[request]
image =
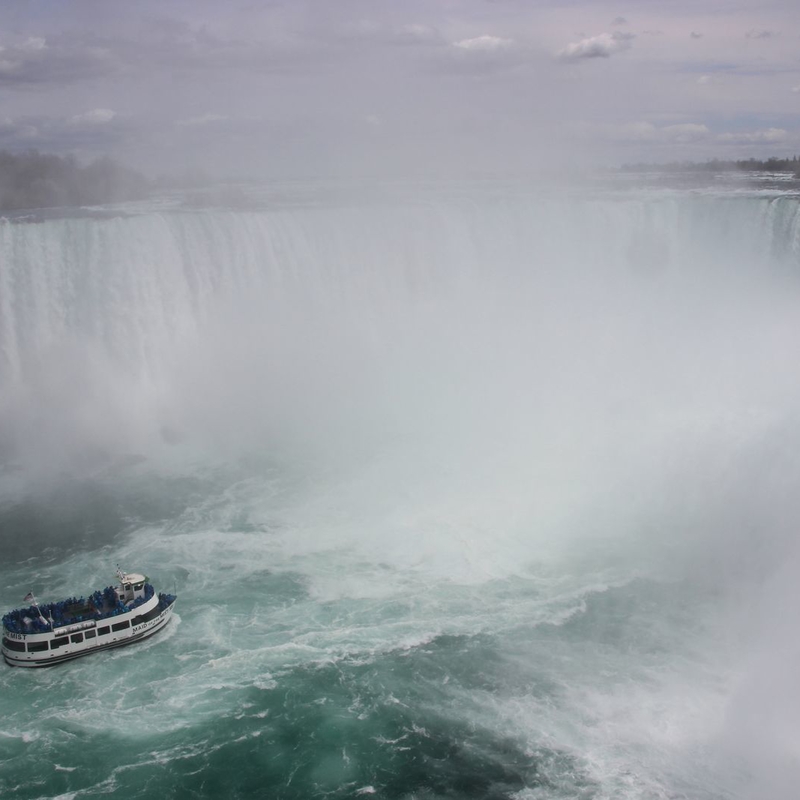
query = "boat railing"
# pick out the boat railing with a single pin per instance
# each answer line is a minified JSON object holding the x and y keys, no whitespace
{"x":47,"y":617}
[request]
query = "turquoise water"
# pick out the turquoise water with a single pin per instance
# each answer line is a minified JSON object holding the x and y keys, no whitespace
{"x":294,"y":673}
{"x":464,"y":497}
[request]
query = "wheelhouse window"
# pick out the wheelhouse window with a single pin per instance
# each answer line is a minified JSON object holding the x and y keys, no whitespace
{"x":13,"y":644}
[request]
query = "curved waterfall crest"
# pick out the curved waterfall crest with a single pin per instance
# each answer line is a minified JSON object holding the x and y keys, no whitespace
{"x":138,"y":317}
{"x":133,"y":283}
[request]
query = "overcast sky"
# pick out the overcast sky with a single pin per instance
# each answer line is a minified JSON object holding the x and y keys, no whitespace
{"x":407,"y":88}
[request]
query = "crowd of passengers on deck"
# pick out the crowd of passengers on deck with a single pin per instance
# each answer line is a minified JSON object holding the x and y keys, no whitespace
{"x":100,"y":605}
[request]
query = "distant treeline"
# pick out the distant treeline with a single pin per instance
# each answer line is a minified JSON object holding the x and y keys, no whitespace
{"x":38,"y":180}
{"x":718,"y":165}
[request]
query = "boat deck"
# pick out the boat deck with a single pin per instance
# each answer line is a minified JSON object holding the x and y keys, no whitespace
{"x":99,"y":605}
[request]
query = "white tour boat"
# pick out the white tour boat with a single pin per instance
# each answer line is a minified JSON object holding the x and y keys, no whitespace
{"x":38,"y":636}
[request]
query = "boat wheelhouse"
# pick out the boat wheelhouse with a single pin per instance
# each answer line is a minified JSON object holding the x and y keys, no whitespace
{"x":42,"y":635}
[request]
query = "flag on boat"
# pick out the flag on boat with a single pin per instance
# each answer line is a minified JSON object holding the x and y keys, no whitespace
{"x":29,"y":598}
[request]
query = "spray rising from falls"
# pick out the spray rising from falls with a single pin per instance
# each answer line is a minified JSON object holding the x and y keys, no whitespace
{"x":539,"y":446}
{"x":243,"y":320}
{"x":510,"y":363}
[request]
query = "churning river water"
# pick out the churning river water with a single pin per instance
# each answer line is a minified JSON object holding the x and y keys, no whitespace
{"x":477,"y":493}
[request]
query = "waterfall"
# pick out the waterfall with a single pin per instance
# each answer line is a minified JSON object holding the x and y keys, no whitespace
{"x":129,"y":324}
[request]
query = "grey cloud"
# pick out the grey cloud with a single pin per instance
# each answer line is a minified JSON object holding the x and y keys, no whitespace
{"x":768,"y":136}
{"x":183,"y":46}
{"x":292,"y":84}
{"x":96,"y":116}
{"x":412,"y":33}
{"x":95,"y":129}
{"x":209,"y":118}
{"x":681,"y":133}
{"x":484,"y":44}
{"x":416,"y":34}
{"x":59,"y":60}
{"x":735,"y":68}
{"x":759,"y":34}
{"x":685,"y":133}
{"x":18,"y":132}
{"x":67,"y":59}
{"x":602,"y":46}
{"x":208,"y":127}
{"x":154,"y":44}
{"x":482,"y":55}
